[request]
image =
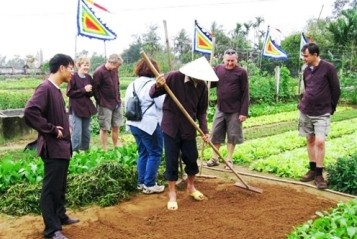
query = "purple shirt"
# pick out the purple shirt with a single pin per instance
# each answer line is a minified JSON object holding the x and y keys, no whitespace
{"x":80,"y":102}
{"x":193,"y":98}
{"x":322,"y":90}
{"x":232,"y":90}
{"x":43,"y":112}
{"x":106,"y":87}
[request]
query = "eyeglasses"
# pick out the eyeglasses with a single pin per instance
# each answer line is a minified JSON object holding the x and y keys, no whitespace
{"x":69,"y":68}
{"x":229,"y":52}
{"x":113,"y":62}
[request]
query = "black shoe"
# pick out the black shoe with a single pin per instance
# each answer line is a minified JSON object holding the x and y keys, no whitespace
{"x":309,"y":176}
{"x":70,"y":221}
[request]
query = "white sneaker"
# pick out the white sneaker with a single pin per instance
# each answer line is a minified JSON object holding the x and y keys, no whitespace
{"x":154,"y":189}
{"x":140,"y":186}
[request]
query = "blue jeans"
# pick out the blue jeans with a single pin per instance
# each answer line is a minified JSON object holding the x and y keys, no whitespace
{"x":150,"y":152}
{"x":80,"y":132}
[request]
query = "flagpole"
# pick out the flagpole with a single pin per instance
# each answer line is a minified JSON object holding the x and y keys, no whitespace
{"x":75,"y":46}
{"x":105,"y":50}
{"x":211,"y":62}
{"x":167,"y":46}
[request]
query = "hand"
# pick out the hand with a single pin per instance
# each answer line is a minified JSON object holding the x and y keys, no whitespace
{"x":206,"y":138}
{"x":88,"y":88}
{"x":60,"y":134}
{"x":242,"y":118}
{"x":160,"y":81}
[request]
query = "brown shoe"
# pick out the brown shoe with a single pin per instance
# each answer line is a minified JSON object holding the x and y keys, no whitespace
{"x":320,"y":182}
{"x":309,"y":176}
{"x":212,"y":162}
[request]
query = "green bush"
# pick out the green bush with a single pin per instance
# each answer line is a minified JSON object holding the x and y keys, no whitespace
{"x":342,"y":176}
{"x":14,"y":99}
{"x":349,"y":88}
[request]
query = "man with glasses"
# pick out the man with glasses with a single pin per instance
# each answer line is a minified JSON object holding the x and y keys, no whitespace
{"x":46,"y":113}
{"x":106,"y":89}
{"x":318,"y":103}
{"x":232,"y":105}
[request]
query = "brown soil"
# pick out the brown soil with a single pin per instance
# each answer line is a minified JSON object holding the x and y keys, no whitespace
{"x":227,"y":212}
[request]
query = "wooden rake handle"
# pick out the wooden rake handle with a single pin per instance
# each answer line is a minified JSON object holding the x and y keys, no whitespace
{"x":188,"y":117}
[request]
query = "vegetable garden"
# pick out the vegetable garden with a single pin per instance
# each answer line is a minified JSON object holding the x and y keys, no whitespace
{"x":108,"y":179}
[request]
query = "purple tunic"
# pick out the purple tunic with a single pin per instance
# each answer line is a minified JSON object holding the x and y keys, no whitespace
{"x":79,"y":100}
{"x":322,"y":90}
{"x":106,"y":87}
{"x":232,"y":90}
{"x":43,"y":112}
{"x":193,"y":98}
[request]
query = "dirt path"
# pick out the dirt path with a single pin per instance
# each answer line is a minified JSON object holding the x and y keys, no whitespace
{"x":228,"y":212}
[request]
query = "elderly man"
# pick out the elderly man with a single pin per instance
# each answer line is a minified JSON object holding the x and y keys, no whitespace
{"x":232,"y":105}
{"x":106,"y":89}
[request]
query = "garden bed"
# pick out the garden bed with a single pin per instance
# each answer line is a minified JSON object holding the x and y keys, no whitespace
{"x":228,"y":212}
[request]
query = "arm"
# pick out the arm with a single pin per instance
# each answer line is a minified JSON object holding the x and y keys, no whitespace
{"x":73,"y":91}
{"x":36,"y":110}
{"x":202,"y":111}
{"x":158,"y":89}
{"x":244,"y":97}
{"x":335,"y":89}
{"x":96,"y":86}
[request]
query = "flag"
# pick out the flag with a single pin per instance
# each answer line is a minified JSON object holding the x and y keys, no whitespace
{"x":97,"y":5}
{"x":202,"y":41}
{"x":89,"y":25}
{"x":272,"y":49}
{"x":303,"y":41}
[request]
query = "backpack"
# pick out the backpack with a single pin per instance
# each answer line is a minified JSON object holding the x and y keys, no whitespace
{"x":133,"y":110}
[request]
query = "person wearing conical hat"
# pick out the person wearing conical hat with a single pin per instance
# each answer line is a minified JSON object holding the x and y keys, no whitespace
{"x":232,"y":106}
{"x":189,"y":87}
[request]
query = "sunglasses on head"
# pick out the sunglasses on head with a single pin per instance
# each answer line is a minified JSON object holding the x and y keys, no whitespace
{"x":230,"y":52}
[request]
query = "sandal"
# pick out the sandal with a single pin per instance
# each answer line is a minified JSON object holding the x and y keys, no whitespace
{"x":212,"y":162}
{"x":229,"y":162}
{"x":197,"y":195}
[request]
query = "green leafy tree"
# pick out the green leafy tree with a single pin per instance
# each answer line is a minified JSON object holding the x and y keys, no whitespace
{"x":344,"y":31}
{"x":132,"y":54}
{"x":183,"y":46}
{"x":96,"y":60}
{"x":151,"y":40}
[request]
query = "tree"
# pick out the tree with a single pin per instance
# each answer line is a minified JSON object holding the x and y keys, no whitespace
{"x":344,"y":31}
{"x":151,"y":40}
{"x":132,"y":54}
{"x":257,"y":36}
{"x":96,"y":60}
{"x":183,"y":46}
{"x":222,"y":40}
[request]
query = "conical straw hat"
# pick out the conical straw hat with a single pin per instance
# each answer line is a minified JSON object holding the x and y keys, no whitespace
{"x":199,"y":69}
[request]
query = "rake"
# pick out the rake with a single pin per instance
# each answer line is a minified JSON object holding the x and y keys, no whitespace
{"x":242,"y":184}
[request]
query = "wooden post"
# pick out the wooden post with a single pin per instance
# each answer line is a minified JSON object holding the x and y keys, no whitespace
{"x":277,"y":82}
{"x":167,"y":46}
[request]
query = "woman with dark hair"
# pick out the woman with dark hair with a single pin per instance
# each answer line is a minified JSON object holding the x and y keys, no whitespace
{"x":147,"y":131}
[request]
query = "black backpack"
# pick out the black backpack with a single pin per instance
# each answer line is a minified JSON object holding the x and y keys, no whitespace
{"x":133,"y":106}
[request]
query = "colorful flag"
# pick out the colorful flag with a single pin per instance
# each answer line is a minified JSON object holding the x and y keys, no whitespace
{"x":89,"y":25}
{"x":97,"y":5}
{"x":303,"y":41}
{"x":202,"y":41}
{"x":272,"y":49}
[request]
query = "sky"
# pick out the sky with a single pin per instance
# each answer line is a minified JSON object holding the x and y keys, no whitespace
{"x":51,"y":26}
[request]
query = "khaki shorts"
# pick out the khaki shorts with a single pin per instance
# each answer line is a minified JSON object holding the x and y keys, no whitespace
{"x":109,"y":119}
{"x":225,"y":123}
{"x":314,"y":125}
